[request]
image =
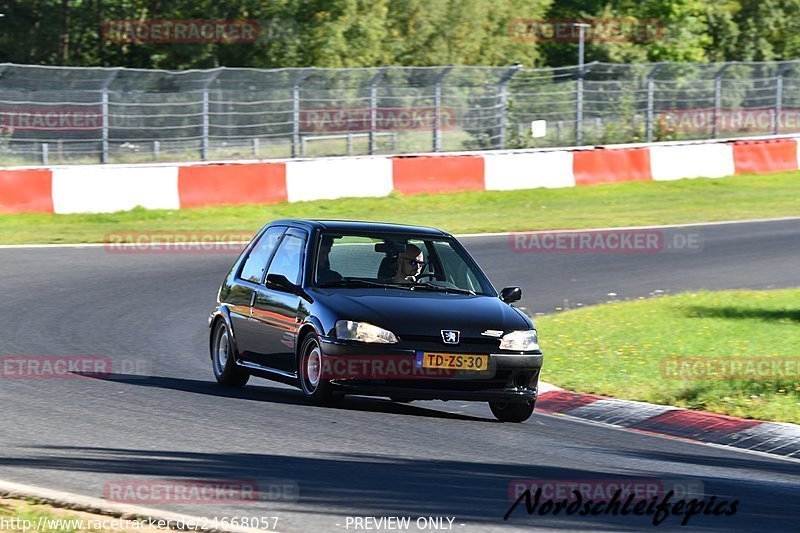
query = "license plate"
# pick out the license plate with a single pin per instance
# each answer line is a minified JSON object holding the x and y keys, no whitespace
{"x":455,"y":361}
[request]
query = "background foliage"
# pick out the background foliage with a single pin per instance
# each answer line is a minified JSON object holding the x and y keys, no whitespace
{"x":355,"y":33}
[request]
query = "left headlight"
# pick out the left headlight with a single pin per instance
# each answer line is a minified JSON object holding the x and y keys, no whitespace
{"x":363,"y":332}
{"x":520,"y":341}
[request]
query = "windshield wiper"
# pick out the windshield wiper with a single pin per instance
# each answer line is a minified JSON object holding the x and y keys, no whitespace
{"x":362,"y":283}
{"x":441,"y":288}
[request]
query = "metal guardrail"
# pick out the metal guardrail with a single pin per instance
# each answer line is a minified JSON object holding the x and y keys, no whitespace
{"x":61,"y":115}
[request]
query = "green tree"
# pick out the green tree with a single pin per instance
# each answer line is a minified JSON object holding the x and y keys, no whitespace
{"x":723,"y":31}
{"x":770,"y":30}
{"x":660,"y":30}
{"x":339,"y":33}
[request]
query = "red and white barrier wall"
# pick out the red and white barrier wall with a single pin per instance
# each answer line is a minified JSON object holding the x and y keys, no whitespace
{"x":109,"y":188}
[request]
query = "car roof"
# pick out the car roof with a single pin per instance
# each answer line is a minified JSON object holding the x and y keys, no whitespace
{"x":359,"y":226}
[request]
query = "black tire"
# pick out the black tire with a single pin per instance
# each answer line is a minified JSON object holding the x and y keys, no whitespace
{"x":223,"y":358}
{"x":315,"y":387}
{"x":395,"y":399}
{"x":511,"y":412}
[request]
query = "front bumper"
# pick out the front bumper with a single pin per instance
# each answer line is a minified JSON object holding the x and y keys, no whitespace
{"x":510,"y":377}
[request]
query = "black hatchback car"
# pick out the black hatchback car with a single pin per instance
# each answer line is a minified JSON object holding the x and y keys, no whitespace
{"x":337,"y":307}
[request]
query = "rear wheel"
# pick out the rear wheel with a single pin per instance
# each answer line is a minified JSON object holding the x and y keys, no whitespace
{"x":226,"y":370}
{"x":316,"y":388}
{"x":511,"y":412}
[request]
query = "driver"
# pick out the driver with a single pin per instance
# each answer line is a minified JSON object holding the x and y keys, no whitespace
{"x":409,"y":264}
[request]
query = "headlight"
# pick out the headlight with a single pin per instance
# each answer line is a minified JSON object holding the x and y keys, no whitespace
{"x":363,"y":332}
{"x":520,"y":341}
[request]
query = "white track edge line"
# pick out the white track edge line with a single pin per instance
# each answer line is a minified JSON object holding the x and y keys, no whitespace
{"x":764,"y":455}
{"x":662,"y":226}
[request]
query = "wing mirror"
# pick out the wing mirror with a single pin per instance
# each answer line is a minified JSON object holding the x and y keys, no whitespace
{"x":511,"y":294}
{"x":279,"y":282}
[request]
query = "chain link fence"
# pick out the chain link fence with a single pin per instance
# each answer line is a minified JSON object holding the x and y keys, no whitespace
{"x":60,"y":115}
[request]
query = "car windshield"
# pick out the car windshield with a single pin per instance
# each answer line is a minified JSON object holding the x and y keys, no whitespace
{"x":408,"y":261}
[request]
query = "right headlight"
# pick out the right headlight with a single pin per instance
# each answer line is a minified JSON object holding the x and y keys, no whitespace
{"x":520,"y":341}
{"x":363,"y":332}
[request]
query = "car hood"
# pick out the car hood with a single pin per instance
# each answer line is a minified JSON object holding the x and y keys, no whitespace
{"x":425,"y":313}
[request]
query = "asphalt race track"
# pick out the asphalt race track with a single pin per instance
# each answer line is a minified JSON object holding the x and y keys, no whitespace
{"x":368,"y":457}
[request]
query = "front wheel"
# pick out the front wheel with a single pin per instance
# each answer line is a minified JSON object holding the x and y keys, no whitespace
{"x":511,"y":412}
{"x":226,"y":370}
{"x":316,"y":388}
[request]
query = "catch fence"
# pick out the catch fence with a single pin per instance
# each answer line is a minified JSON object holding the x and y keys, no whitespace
{"x":63,"y":115}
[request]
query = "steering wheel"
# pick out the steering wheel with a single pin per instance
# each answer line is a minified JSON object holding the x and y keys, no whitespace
{"x":430,"y":275}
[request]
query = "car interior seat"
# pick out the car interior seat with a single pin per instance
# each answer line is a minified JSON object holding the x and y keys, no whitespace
{"x":388,"y":266}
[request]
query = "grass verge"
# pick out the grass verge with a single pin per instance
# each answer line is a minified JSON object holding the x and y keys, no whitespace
{"x":21,"y":516}
{"x":613,"y":205}
{"x":679,"y":350}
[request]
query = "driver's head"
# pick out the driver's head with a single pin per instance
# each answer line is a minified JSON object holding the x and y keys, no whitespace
{"x":410,"y":262}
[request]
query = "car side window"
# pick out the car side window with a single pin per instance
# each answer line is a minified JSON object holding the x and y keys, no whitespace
{"x":288,"y":259}
{"x":256,"y":262}
{"x":356,"y":257}
{"x":455,"y":269}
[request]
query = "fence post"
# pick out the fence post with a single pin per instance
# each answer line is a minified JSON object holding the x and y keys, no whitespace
{"x":295,"y":117}
{"x":104,"y":134}
{"x":105,"y":118}
{"x":437,"y":110}
{"x":156,"y":150}
{"x":582,"y":70}
{"x":504,"y":102}
{"x":306,"y":72}
{"x":204,"y":125}
{"x":650,"y":113}
{"x":45,"y":153}
{"x":776,"y":120}
{"x":373,"y":108}
{"x":579,"y":109}
{"x":717,"y":100}
{"x":205,"y":128}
